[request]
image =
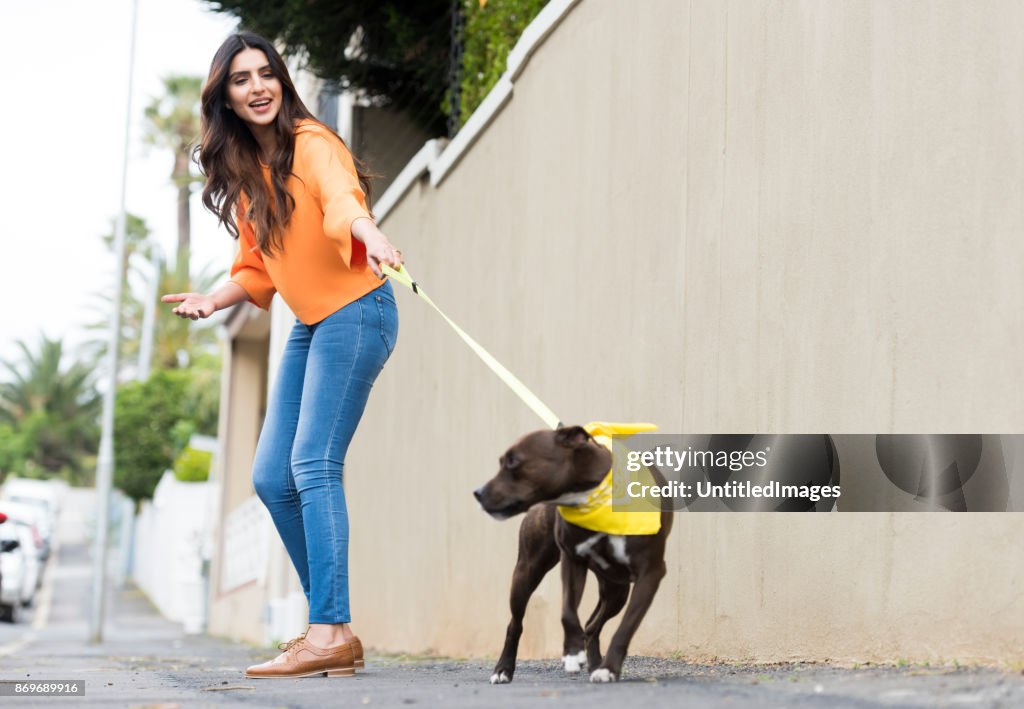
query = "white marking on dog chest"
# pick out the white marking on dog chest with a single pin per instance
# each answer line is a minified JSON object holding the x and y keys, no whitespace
{"x":618,"y":543}
{"x":586,"y":549}
{"x":571,"y":499}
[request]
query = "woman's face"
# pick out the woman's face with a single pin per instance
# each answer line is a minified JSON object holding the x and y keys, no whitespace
{"x":254,"y":93}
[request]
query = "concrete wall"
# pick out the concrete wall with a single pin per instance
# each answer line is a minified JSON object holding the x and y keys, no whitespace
{"x":722,"y":217}
{"x":235,"y":611}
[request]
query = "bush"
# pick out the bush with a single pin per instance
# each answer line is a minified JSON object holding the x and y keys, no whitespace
{"x":154,"y":420}
{"x":144,"y":423}
{"x":193,"y":466}
{"x":492,"y":29}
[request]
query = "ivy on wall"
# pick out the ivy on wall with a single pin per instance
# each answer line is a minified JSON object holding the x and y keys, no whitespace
{"x":492,"y":28}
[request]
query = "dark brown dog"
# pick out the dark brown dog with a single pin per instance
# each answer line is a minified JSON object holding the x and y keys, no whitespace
{"x":561,"y":467}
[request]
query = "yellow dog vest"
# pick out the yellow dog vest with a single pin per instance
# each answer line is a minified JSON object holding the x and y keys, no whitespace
{"x":596,"y":513}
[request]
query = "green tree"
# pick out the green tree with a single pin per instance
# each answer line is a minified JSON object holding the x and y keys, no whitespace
{"x":15,"y":450}
{"x":136,"y":241}
{"x":154,"y":419}
{"x":138,"y":244}
{"x":202,"y":400}
{"x":172,"y":122}
{"x":179,"y":341}
{"x":492,"y":30}
{"x":49,"y":413}
{"x":144,"y":416}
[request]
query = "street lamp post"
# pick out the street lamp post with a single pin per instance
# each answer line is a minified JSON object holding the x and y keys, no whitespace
{"x":105,"y":463}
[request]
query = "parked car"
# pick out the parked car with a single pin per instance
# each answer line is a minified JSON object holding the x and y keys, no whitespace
{"x":3,"y":518}
{"x":33,"y":576}
{"x":33,"y":516}
{"x":42,"y":495}
{"x":17,"y":587}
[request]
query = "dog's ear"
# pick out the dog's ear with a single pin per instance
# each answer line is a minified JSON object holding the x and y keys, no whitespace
{"x":572,"y":436}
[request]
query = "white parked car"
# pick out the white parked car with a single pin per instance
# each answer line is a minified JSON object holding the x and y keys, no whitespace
{"x":33,"y":516}
{"x":43,"y":495}
{"x":48,"y":492}
{"x":19,"y":570}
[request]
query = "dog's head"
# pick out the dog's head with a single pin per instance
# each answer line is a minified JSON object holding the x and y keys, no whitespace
{"x":544,"y":466}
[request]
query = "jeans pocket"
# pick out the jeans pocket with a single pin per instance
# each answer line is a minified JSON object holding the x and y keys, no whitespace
{"x":386,"y":292}
{"x":388,"y":321}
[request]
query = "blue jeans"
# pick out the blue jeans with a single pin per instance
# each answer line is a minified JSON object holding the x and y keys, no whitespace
{"x":322,"y":386}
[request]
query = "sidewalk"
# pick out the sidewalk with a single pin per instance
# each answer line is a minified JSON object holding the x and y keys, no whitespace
{"x":147,"y":661}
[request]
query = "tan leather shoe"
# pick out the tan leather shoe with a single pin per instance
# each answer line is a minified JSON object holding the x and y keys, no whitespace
{"x":357,"y":652}
{"x":303,"y":659}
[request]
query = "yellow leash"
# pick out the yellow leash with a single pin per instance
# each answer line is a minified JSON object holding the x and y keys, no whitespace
{"x":521,"y":390}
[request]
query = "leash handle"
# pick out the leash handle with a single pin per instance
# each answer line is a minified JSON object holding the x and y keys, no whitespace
{"x":538,"y":407}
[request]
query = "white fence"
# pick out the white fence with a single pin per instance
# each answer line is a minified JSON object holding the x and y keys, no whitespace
{"x":171,"y":533}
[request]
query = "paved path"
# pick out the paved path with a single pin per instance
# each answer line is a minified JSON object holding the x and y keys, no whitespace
{"x":147,"y":661}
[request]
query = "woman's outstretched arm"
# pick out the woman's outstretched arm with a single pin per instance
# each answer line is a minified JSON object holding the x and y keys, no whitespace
{"x":197,"y":305}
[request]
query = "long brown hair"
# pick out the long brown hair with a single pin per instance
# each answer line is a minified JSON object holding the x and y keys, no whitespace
{"x":228,"y":154}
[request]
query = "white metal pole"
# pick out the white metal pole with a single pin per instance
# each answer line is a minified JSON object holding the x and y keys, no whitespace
{"x":105,"y":464}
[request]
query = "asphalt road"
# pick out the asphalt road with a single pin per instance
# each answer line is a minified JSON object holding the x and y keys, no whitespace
{"x":147,"y":661}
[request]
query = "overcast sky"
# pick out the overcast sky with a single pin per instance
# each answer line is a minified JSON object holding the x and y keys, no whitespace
{"x":63,"y":129}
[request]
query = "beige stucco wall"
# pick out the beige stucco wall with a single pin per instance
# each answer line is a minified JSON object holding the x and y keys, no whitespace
{"x":235,"y":613}
{"x":721,"y":217}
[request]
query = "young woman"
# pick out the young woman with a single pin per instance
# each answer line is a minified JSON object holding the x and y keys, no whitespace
{"x":287,"y":187}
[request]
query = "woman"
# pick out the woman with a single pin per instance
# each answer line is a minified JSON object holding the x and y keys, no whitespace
{"x":288,"y":189}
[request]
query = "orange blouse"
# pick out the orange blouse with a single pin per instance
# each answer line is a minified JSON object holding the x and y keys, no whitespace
{"x":322,"y":268}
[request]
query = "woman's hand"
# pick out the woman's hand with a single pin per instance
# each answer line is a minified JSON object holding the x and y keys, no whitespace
{"x":379,"y":250}
{"x":197,"y":305}
{"x":193,"y":305}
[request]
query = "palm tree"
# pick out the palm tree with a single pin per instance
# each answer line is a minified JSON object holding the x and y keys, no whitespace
{"x":173,"y":123}
{"x":177,"y":342}
{"x":137,"y":243}
{"x":52,"y":409}
{"x":180,"y":341}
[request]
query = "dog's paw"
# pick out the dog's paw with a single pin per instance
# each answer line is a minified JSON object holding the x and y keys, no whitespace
{"x":603,"y":675}
{"x":500,"y":678}
{"x":574,"y":663}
